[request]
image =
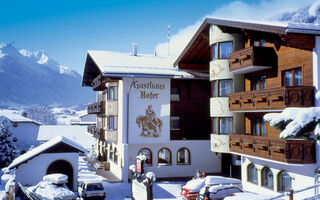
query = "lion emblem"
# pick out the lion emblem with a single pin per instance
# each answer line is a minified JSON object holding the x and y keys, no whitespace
{"x":151,"y":126}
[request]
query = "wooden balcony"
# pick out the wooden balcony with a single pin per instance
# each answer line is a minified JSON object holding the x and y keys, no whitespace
{"x":97,"y":133}
{"x":252,"y":59}
{"x":96,"y":108}
{"x":99,"y":83}
{"x":297,"y":151}
{"x":272,"y":99}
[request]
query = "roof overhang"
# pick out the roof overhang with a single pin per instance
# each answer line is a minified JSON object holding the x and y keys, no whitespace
{"x":91,"y":71}
{"x":273,"y":29}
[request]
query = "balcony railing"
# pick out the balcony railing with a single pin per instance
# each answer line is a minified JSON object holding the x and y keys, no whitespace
{"x":97,"y":133}
{"x":284,"y":150}
{"x":99,"y":83}
{"x":252,"y":59}
{"x":272,"y":99}
{"x":96,"y":108}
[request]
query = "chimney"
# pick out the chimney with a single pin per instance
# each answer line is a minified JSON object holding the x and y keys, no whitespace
{"x":134,"y":49}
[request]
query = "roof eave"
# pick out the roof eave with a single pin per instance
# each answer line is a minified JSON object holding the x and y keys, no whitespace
{"x":193,"y":39}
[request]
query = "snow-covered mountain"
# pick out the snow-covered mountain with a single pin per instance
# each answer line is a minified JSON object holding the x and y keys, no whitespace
{"x":307,"y":15}
{"x":33,"y":79}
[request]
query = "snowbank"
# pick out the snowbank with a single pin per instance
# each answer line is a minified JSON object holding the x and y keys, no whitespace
{"x":295,"y":122}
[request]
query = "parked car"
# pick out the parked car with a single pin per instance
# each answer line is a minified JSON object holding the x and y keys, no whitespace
{"x":217,"y":192}
{"x":53,"y":187}
{"x":91,"y":189}
{"x":192,"y":187}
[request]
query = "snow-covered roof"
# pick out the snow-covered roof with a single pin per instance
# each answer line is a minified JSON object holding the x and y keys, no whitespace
{"x":124,"y":63}
{"x":14,"y":116}
{"x":82,"y":113}
{"x":42,"y":148}
{"x":75,"y":133}
{"x":117,"y":65}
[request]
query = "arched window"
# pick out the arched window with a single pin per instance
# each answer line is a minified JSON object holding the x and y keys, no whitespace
{"x":267,"y":178}
{"x":110,"y":152}
{"x":252,"y":173}
{"x":148,"y":154}
{"x":115,"y":155}
{"x":284,"y":182}
{"x":164,"y":157}
{"x":183,"y":156}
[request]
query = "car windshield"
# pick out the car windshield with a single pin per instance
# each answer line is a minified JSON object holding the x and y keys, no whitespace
{"x":94,"y":186}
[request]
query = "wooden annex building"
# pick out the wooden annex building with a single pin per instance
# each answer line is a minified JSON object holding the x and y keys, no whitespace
{"x":257,"y":68}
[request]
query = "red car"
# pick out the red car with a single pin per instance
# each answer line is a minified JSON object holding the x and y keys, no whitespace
{"x":192,"y":188}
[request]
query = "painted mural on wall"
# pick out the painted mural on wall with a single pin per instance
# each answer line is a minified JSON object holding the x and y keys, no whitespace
{"x":149,"y":110}
{"x":150,"y":125}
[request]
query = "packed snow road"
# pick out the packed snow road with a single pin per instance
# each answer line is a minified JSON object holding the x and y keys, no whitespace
{"x":161,"y":190}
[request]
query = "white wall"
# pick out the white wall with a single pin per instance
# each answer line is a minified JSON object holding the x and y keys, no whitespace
{"x":27,"y":134}
{"x":302,"y":176}
{"x":160,"y":103}
{"x":316,"y":65}
{"x":201,"y":158}
{"x":32,"y":172}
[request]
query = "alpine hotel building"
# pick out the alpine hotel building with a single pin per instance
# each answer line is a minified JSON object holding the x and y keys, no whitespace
{"x":147,"y":106}
{"x":258,"y":68}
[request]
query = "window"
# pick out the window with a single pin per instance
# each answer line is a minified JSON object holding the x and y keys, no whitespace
{"x":115,"y":155}
{"x":175,"y":94}
{"x":164,"y":157}
{"x":183,"y":156}
{"x":174,"y":123}
{"x":215,"y":52}
{"x":104,"y":122}
{"x":258,"y":83}
{"x":221,"y":88}
{"x":292,"y":77}
{"x":112,"y":123}
{"x":221,"y":50}
{"x":259,"y":43}
{"x":225,"y":48}
{"x":267,"y":178}
{"x":147,"y":153}
{"x":259,"y":126}
{"x":284,"y":182}
{"x":252,"y":174}
{"x":110,"y":152}
{"x":113,"y":93}
{"x":222,"y":125}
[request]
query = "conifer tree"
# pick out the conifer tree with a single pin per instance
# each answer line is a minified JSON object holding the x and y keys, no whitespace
{"x":8,"y":150}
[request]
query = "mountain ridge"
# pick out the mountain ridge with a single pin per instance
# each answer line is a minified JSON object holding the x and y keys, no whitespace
{"x":30,"y":79}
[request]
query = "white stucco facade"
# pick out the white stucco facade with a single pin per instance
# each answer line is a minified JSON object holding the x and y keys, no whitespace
{"x":152,"y":95}
{"x":219,"y":106}
{"x":302,"y":175}
{"x":32,"y":172}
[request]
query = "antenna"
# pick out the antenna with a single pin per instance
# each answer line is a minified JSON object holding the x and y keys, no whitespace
{"x":168,"y":37}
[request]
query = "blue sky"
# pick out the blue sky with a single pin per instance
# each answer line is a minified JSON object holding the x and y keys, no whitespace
{"x":66,"y":29}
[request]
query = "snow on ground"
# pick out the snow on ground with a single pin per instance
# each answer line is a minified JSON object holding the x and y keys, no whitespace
{"x":165,"y":190}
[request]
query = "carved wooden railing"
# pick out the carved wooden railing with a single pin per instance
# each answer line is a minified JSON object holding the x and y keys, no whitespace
{"x":96,"y":108}
{"x":283,"y":150}
{"x":97,"y":133}
{"x":99,"y":83}
{"x":272,"y":99}
{"x":252,"y":56}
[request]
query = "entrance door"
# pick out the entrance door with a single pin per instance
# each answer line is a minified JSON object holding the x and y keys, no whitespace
{"x":63,"y":167}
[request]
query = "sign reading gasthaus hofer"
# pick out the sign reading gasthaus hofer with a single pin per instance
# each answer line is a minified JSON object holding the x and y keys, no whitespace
{"x":149,"y":110}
